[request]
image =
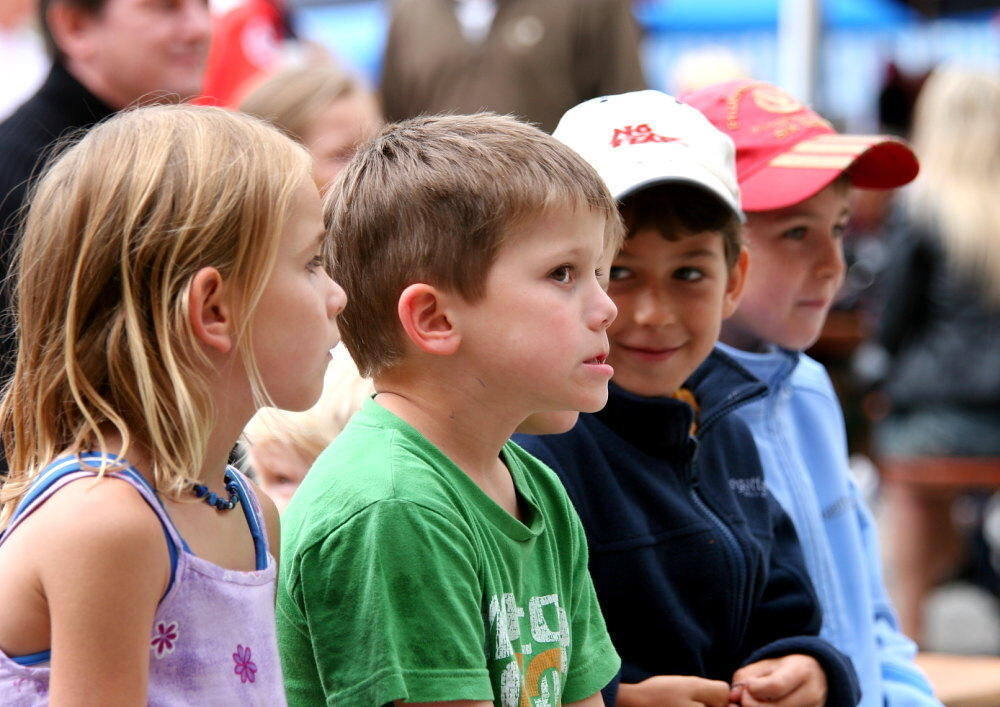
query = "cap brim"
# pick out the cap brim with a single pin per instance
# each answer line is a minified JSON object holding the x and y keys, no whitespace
{"x":700,"y":178}
{"x":876,"y":162}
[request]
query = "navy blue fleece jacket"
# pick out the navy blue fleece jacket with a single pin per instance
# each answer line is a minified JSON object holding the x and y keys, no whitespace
{"x":697,"y":569}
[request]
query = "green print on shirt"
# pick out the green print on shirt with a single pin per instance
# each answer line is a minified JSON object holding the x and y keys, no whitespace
{"x":536,"y":667}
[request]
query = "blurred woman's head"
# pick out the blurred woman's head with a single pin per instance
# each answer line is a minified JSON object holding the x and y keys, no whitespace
{"x":956,"y":135}
{"x":324,"y":108}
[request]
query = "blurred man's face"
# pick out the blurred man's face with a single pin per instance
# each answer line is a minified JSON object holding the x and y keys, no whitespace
{"x":134,"y":48}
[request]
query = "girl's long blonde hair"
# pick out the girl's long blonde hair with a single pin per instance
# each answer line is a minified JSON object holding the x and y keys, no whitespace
{"x":116,"y":229}
{"x":957,"y":135}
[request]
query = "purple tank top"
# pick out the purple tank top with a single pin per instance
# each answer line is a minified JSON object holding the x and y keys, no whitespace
{"x":213,"y":639}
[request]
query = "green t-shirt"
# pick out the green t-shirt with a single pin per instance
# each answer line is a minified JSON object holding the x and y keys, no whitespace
{"x":401,"y":580}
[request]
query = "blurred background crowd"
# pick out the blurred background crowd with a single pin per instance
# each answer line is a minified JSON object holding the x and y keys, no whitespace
{"x":914,"y":342}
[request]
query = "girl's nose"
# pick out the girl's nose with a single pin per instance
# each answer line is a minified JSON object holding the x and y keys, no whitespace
{"x":337,"y":300}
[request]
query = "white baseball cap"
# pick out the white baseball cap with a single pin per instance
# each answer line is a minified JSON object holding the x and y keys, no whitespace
{"x":639,"y":139}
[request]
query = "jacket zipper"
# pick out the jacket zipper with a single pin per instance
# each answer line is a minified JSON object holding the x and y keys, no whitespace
{"x":736,"y":554}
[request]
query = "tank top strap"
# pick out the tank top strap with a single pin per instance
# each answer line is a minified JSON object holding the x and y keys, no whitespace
{"x":70,"y":468}
{"x":254,"y":515}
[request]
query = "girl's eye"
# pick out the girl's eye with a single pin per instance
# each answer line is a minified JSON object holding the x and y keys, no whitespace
{"x":688,"y":274}
{"x":618,"y":272}
{"x":564,"y":274}
{"x":839,"y":230}
{"x":317,"y":262}
{"x":795,"y":234}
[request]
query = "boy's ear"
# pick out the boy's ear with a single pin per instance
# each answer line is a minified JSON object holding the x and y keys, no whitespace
{"x":423,"y":312}
{"x":209,"y":312}
{"x":737,"y":279}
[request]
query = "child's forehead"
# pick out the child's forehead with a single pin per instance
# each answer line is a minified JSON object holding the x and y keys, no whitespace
{"x":831,"y":202}
{"x":560,"y":226}
{"x":680,"y":242}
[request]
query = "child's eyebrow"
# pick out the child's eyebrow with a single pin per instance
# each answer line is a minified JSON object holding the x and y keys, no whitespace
{"x":698,"y":253}
{"x":570,"y":253}
{"x":314,"y":244}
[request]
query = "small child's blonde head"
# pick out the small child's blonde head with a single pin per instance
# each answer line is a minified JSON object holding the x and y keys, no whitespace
{"x":117,"y":228}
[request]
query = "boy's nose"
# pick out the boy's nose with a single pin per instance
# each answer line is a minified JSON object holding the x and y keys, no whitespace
{"x":830,"y":260}
{"x":653,"y":309}
{"x":605,"y":310}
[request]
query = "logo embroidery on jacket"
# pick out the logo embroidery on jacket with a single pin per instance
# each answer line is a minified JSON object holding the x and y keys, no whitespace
{"x":749,"y":488}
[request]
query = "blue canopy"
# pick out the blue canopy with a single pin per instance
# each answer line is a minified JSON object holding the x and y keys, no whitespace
{"x":714,"y":15}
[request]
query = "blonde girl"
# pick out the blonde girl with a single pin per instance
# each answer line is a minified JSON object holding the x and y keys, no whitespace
{"x":941,"y":324}
{"x":172,"y":278}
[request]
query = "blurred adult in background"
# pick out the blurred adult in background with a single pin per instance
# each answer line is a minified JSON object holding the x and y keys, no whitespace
{"x":326,"y":109}
{"x":531,"y":58}
{"x":941,"y":323}
{"x":106,"y":55}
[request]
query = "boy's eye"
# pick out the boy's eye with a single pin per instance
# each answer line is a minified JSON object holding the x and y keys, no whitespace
{"x":839,"y":230}
{"x":564,"y":273}
{"x":688,"y":274}
{"x":618,"y":272}
{"x":795,"y":234}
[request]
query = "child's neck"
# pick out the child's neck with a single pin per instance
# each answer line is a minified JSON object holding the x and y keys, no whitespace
{"x":742,"y":340}
{"x":212,"y":470}
{"x":465,"y":428}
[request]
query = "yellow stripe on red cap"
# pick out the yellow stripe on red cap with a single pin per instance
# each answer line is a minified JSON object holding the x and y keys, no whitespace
{"x":802,"y":161}
{"x":836,"y":147}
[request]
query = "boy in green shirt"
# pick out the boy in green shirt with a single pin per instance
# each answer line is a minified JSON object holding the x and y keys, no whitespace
{"x":426,"y":558}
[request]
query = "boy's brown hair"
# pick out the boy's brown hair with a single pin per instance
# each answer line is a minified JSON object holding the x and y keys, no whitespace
{"x":432,"y":200}
{"x":676,"y":210}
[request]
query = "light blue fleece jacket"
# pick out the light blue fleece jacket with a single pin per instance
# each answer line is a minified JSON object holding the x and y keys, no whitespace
{"x":799,"y":431}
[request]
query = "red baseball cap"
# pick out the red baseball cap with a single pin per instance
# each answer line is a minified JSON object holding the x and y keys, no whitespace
{"x":786,"y":153}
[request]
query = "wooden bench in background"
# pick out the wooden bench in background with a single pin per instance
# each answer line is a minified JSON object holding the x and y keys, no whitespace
{"x":958,"y":680}
{"x":952,"y":472}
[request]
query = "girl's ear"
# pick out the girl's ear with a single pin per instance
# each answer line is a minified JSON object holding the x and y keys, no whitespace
{"x":424,"y":315}
{"x":737,"y":279}
{"x":209,"y":311}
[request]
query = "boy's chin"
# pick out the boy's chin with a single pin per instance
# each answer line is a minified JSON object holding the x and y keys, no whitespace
{"x":552,"y":422}
{"x":650,"y":387}
{"x":798,"y":341}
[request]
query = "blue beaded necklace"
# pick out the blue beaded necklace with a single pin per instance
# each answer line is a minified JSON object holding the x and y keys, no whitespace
{"x":212,"y":498}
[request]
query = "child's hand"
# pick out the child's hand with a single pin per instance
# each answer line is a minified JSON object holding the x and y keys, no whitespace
{"x":789,"y":681}
{"x":674,"y":690}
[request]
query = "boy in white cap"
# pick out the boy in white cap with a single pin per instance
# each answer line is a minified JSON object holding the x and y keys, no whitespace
{"x":794,"y":173}
{"x":697,"y":571}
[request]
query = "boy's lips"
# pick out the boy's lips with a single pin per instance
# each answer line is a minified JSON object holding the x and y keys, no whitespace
{"x":650,"y":353}
{"x":819,"y":303}
{"x":599,"y":364}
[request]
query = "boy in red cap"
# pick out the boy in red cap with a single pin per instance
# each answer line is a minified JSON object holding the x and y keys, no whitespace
{"x":794,"y":173}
